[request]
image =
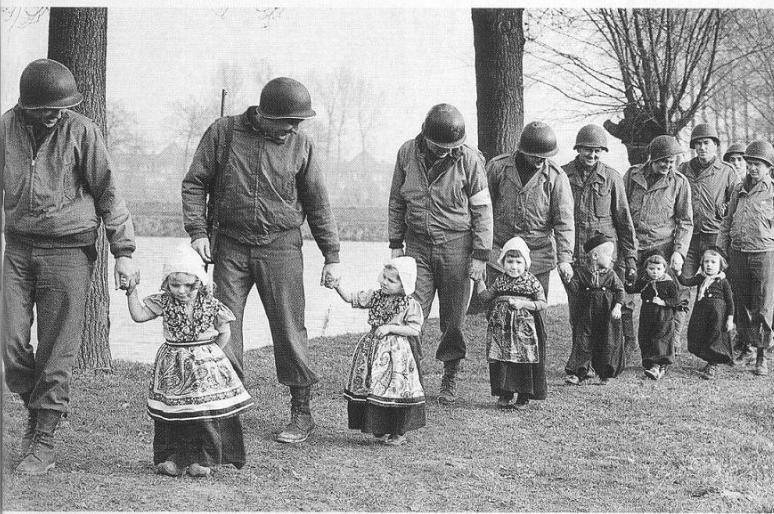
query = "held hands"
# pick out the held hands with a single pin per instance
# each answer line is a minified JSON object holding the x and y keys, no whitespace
{"x":126,"y":274}
{"x":616,"y":312}
{"x":518,"y":303}
{"x":477,"y":271}
{"x":730,"y":325}
{"x":631,"y":273}
{"x":676,"y":262}
{"x":202,"y":247}
{"x":565,"y":271}
{"x":382,"y":331}
{"x":330,"y":276}
{"x":659,"y":301}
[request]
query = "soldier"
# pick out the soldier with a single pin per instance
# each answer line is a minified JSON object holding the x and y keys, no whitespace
{"x":439,"y":206}
{"x":58,"y":185}
{"x":712,"y":182}
{"x":263,"y":179}
{"x":747,"y":236}
{"x":660,"y":202}
{"x":735,"y":157}
{"x":532,"y":199}
{"x":600,"y":206}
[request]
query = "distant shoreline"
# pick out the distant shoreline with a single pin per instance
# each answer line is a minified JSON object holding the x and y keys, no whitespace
{"x":158,"y":219}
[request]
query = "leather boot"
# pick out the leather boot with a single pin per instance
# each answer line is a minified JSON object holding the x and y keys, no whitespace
{"x":448,"y":393}
{"x":40,"y":454}
{"x":301,"y":421}
{"x":32,"y":421}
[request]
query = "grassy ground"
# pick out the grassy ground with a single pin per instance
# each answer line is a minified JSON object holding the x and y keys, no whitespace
{"x":678,"y":444}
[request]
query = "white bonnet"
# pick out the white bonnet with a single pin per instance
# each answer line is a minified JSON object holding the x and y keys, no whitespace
{"x":407,"y":272}
{"x":185,"y":260}
{"x":518,"y":244}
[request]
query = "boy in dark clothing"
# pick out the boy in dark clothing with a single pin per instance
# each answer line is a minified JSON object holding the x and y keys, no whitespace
{"x":597,"y":335}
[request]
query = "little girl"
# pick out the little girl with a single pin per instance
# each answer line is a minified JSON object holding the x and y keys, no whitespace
{"x":712,"y":319}
{"x":195,"y":396}
{"x":384,"y":391}
{"x":515,"y":337}
{"x":659,"y":301}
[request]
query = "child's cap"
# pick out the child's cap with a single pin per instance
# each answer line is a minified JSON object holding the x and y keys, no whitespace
{"x":185,"y":260}
{"x":596,"y":240}
{"x":518,"y":244}
{"x":407,"y":272}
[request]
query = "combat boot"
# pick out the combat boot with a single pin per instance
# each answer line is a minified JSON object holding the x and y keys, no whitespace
{"x":761,"y":366}
{"x":448,"y":393}
{"x":39,"y":457}
{"x":301,"y":421}
{"x":32,"y":421}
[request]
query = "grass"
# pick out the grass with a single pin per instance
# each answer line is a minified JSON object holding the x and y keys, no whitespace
{"x":636,"y":445}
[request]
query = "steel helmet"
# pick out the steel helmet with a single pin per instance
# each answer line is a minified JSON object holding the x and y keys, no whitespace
{"x":48,"y":84}
{"x":284,"y":98}
{"x":591,"y":136}
{"x":444,"y":126}
{"x":760,"y":150}
{"x":537,"y":139}
{"x":734,"y":148}
{"x":704,"y":131}
{"x":662,"y":147}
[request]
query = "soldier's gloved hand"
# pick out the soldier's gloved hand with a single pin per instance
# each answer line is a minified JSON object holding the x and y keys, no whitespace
{"x":477,"y":270}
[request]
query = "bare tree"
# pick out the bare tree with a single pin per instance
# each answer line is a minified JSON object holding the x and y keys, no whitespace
{"x":335,"y":92}
{"x":189,"y":119}
{"x":368,"y":102}
{"x":639,"y":63}
{"x":120,"y":123}
{"x":498,"y":38}
{"x":78,"y":39}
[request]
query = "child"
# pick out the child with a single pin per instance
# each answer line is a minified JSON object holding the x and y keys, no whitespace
{"x":384,"y":391}
{"x":712,"y":319}
{"x":660,"y":300}
{"x":598,"y":337}
{"x":195,"y":396}
{"x":515,"y":338}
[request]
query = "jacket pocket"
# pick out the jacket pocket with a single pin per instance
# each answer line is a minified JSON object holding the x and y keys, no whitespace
{"x":70,"y":181}
{"x":601,"y":199}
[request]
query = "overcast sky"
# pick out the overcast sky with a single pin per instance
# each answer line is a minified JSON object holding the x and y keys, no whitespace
{"x":419,"y":57}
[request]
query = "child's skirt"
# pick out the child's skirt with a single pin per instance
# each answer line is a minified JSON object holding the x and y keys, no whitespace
{"x":195,"y":399}
{"x":707,"y":338}
{"x":384,"y":392}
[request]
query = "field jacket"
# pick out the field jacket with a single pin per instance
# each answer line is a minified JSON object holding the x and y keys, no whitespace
{"x":601,"y":205}
{"x":540,"y":211}
{"x":711,"y":189}
{"x":57,"y":196}
{"x":749,"y":223}
{"x":267,"y":187}
{"x":456,"y":203}
{"x":661,"y":213}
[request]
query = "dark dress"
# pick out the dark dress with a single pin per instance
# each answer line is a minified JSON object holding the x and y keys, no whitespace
{"x":657,"y":325}
{"x":597,"y":338}
{"x":707,"y":336}
{"x":506,"y":375}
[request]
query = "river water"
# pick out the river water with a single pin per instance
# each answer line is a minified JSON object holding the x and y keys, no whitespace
{"x":326,"y":313}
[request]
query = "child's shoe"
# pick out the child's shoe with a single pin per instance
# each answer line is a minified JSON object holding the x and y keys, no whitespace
{"x":198,"y":471}
{"x":168,"y":468}
{"x":521,"y":403}
{"x":662,"y":371}
{"x":572,"y":380}
{"x":504,"y":401}
{"x":604,"y":381}
{"x":653,"y":373}
{"x":709,"y":372}
{"x":395,"y":440}
{"x":380,"y":438}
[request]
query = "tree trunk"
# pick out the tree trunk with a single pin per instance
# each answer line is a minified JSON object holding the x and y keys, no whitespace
{"x":498,"y":39}
{"x":77,"y":37}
